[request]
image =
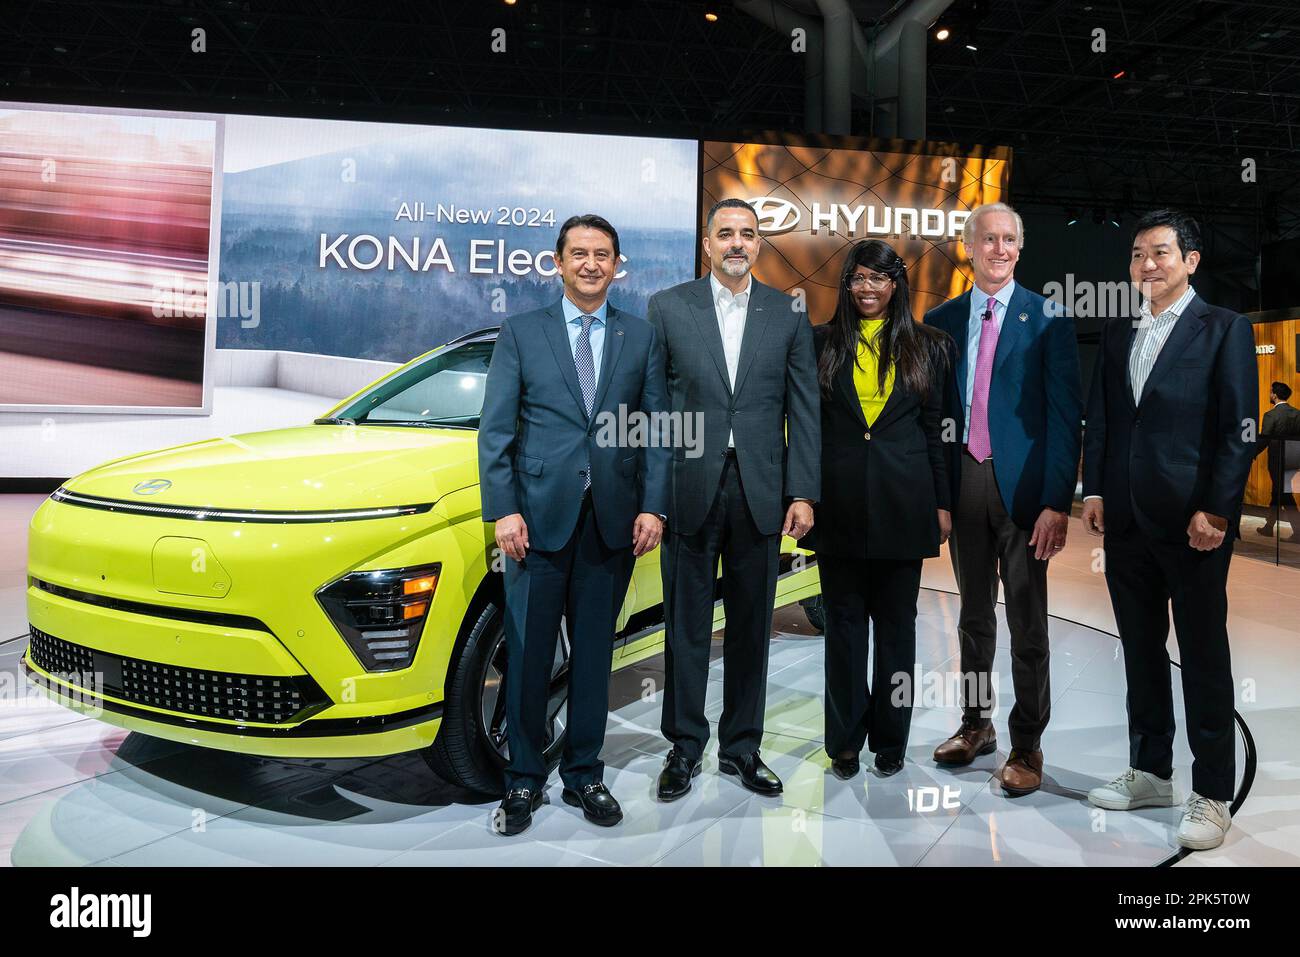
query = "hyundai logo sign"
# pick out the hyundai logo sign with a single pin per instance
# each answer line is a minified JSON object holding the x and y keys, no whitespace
{"x":152,"y":487}
{"x":775,"y":215}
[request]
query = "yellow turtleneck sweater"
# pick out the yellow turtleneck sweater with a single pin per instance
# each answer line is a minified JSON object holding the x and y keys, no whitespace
{"x":866,"y":377}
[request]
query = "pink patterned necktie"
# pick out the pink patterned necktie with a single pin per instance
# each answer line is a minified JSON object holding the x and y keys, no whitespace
{"x":978,"y":441}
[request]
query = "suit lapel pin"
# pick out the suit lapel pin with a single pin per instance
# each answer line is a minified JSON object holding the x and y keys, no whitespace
{"x":1024,"y":317}
{"x":619,"y":332}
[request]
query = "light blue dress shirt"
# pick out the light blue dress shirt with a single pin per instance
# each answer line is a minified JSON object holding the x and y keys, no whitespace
{"x":573,"y":325}
{"x":978,"y":303}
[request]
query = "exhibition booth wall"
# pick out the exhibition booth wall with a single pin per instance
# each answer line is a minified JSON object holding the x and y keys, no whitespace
{"x":172,"y":277}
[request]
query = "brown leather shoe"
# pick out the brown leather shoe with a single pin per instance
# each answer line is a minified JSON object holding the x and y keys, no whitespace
{"x":967,"y":744}
{"x":1023,"y":772}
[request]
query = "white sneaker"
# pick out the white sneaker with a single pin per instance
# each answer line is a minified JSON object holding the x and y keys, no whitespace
{"x":1204,"y":824}
{"x":1134,"y":789}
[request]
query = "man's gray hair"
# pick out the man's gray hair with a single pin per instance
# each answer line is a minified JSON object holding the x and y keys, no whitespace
{"x":972,"y":223}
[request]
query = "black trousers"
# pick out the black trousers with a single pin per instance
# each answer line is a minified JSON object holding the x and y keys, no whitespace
{"x":1144,"y":577}
{"x":749,"y":570}
{"x":869,"y":706}
{"x":1281,"y":501}
{"x":986,"y":543}
{"x":583,"y":583}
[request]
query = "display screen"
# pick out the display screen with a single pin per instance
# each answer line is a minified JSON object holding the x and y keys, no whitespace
{"x":105,"y":222}
{"x":380,"y":241}
{"x":133,"y":241}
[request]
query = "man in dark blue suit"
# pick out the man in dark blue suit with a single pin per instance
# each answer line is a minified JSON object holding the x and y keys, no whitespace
{"x":1170,"y":439}
{"x":573,"y":510}
{"x":1013,"y":408}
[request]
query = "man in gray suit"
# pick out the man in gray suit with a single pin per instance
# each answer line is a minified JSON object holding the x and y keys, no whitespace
{"x":572,"y":511}
{"x":740,"y":358}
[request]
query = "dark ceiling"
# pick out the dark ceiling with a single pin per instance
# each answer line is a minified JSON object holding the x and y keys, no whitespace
{"x":1183,"y":93}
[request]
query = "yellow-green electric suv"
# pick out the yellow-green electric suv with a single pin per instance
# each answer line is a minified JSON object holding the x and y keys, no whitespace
{"x":329,"y":590}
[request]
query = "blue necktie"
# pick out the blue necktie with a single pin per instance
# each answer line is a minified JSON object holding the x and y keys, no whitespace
{"x":585,"y":362}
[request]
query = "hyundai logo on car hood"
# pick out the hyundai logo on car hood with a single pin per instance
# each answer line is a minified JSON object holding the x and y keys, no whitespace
{"x":152,"y":487}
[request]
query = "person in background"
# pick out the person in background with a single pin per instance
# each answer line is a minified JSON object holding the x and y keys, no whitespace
{"x":1166,"y":455}
{"x":1281,"y":421}
{"x":885,"y":503}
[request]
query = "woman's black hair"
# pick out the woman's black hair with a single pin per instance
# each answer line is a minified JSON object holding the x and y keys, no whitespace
{"x":917,"y":352}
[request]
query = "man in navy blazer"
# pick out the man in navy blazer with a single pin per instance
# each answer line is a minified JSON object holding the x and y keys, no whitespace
{"x":1013,"y":411}
{"x":1170,"y":439}
{"x":577,"y":495}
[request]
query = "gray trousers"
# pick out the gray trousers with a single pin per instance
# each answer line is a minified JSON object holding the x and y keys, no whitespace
{"x":985,"y":545}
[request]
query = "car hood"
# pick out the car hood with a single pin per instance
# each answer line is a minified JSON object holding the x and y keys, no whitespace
{"x":297,"y":469}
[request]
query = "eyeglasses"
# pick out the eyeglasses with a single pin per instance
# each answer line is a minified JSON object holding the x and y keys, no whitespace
{"x":874,"y":281}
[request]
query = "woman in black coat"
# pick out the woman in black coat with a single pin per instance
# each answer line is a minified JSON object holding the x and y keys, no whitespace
{"x":885,"y":500}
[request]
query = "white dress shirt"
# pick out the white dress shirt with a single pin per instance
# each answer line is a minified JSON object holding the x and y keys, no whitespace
{"x":731,"y":310}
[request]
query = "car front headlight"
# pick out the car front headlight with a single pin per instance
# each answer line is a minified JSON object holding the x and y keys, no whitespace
{"x":380,"y":614}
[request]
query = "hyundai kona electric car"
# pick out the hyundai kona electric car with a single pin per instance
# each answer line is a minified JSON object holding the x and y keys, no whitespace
{"x":327,"y":590}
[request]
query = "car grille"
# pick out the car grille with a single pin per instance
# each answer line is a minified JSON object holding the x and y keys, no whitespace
{"x":266,"y":699}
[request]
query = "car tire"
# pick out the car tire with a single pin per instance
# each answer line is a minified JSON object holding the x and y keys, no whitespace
{"x":815,"y":609}
{"x":470,"y":750}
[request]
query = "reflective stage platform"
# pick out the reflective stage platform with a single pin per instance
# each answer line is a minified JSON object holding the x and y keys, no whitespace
{"x":76,"y":791}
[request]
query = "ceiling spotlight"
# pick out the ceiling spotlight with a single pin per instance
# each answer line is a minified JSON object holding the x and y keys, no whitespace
{"x":511,"y":3}
{"x":942,"y":33}
{"x":972,"y":48}
{"x":1119,"y":75}
{"x":711,"y":16}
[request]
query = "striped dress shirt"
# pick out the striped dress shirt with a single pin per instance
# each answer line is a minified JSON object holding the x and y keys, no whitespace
{"x":1152,"y":334}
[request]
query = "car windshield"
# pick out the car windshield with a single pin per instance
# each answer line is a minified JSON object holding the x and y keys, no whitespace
{"x":446,"y":390}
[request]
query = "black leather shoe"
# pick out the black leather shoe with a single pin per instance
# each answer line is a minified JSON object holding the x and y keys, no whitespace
{"x":516,"y":811}
{"x":675,"y":778}
{"x":845,"y":767}
{"x":888,"y":766}
{"x":754,"y":774}
{"x":598,"y":805}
